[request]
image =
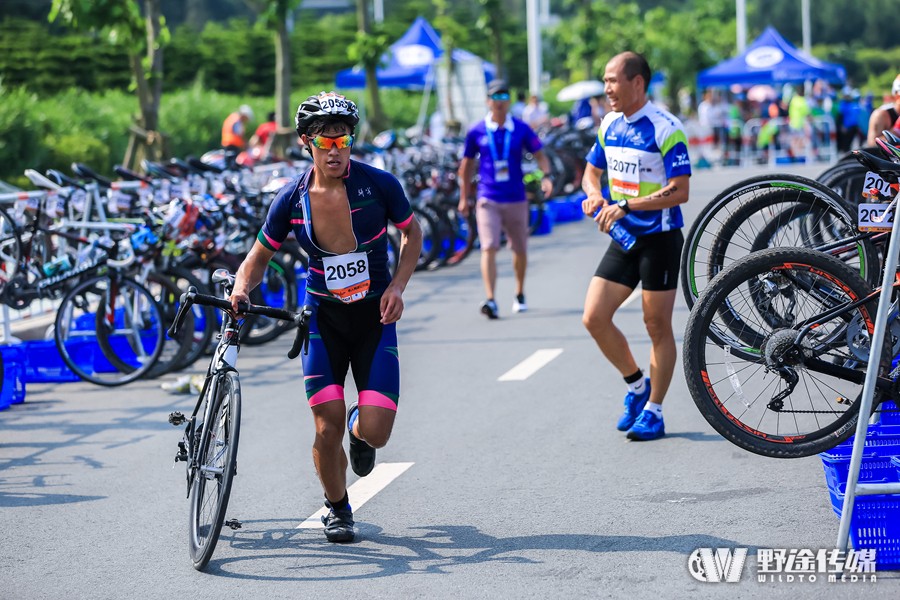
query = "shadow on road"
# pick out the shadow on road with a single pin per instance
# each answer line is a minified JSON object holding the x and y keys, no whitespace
{"x":306,"y":556}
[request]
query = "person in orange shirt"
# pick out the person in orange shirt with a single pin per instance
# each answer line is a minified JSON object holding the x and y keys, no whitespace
{"x":235,"y":127}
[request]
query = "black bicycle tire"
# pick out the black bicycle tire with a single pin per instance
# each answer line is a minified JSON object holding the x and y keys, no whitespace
{"x":700,"y":382}
{"x":171,"y":293}
{"x":709,"y":213}
{"x":15,"y":259}
{"x":103,"y":343}
{"x":816,"y":209}
{"x":251,"y":333}
{"x":431,"y":238}
{"x":210,"y":325}
{"x":200,"y":556}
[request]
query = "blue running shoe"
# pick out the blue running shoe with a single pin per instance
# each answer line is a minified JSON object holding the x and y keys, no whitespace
{"x":634,"y":404}
{"x":647,"y":427}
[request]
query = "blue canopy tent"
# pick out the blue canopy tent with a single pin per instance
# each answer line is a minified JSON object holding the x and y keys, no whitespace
{"x":410,"y":62}
{"x":771,"y":60}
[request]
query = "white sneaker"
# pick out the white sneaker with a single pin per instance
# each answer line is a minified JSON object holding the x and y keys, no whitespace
{"x":519,"y":305}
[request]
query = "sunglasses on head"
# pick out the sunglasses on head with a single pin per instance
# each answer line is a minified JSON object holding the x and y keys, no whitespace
{"x":503,"y":96}
{"x":327,"y":143}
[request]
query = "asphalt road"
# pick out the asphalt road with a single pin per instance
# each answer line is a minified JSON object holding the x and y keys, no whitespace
{"x":517,"y":489}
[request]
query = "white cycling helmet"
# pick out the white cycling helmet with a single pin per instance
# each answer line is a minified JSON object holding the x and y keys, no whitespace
{"x":326,"y":104}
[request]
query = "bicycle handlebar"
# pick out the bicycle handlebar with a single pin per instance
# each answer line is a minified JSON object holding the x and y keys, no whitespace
{"x":299,"y":318}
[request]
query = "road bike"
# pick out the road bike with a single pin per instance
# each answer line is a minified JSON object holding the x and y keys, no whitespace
{"x":209,"y":445}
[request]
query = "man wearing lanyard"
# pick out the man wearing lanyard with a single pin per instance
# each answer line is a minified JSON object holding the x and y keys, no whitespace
{"x":500,"y":141}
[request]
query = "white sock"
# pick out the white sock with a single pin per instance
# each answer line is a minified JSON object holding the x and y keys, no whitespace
{"x":654,"y":408}
{"x":638,"y":386}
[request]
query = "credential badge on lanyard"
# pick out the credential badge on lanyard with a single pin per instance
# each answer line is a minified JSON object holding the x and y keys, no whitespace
{"x":625,"y":174}
{"x":347,"y":276}
{"x":501,"y":165}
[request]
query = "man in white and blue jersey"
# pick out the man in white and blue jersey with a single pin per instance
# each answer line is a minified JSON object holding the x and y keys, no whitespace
{"x":643,"y":149}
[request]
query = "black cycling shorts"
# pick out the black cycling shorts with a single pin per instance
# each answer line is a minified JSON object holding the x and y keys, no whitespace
{"x":653,"y":261}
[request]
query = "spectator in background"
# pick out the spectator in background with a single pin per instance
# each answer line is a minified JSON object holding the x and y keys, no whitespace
{"x":536,"y":113}
{"x":437,"y":129}
{"x":263,"y":137}
{"x":799,"y":114}
{"x":599,"y":109}
{"x":234,"y":128}
{"x":581,"y":109}
{"x":518,"y":107}
{"x":848,"y":123}
{"x":885,"y":115}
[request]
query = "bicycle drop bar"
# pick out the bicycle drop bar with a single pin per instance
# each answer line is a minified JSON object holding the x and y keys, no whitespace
{"x":299,"y":318}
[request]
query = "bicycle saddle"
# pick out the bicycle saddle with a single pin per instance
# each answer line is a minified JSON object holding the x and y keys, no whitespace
{"x":879,"y":165}
{"x":86,"y":172}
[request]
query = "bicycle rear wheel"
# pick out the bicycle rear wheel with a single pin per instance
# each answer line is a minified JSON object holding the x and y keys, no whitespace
{"x":742,"y":331}
{"x":216,"y":464}
{"x":109,"y":330}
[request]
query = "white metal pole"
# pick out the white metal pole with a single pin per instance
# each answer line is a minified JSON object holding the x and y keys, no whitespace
{"x":807,"y":34}
{"x":379,"y":11}
{"x":741,"y":6}
{"x":534,"y":46}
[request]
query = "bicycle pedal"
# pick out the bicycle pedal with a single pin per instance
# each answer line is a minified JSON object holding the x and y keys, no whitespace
{"x":233,"y":524}
{"x":176,"y":418}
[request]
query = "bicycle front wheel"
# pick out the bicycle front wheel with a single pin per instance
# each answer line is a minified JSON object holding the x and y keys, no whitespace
{"x":740,"y":353}
{"x":109,"y":330}
{"x":214,"y":468}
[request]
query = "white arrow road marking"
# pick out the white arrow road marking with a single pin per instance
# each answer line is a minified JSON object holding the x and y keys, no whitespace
{"x":362,"y":491}
{"x":531,"y":365}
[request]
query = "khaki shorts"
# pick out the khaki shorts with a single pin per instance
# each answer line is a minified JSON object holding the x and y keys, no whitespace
{"x":510,"y":217}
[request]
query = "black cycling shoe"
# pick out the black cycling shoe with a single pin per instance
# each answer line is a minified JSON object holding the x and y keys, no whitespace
{"x":362,"y":455}
{"x":339,"y":526}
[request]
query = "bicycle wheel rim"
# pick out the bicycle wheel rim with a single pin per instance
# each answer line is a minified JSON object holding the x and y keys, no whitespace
{"x":109,"y":347}
{"x":214,"y":473}
{"x":729,"y":380}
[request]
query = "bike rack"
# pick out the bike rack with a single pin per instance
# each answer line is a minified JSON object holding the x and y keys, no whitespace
{"x":854,"y":488}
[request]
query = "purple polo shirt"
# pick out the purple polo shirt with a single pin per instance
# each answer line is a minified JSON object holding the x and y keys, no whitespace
{"x":522,"y":139}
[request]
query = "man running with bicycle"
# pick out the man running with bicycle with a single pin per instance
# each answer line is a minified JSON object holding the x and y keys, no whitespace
{"x":339,"y":210}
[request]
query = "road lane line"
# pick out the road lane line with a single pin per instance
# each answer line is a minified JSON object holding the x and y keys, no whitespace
{"x":531,"y":365}
{"x":362,"y":491}
{"x":634,"y":296}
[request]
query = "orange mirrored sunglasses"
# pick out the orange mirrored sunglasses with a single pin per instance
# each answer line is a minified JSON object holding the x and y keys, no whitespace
{"x":327,"y":143}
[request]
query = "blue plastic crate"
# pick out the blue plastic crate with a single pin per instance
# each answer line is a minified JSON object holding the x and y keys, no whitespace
{"x":875,"y":524}
{"x":889,"y":413}
{"x":45,"y":365}
{"x":882,"y":443}
{"x":14,"y":361}
{"x":546,"y":225}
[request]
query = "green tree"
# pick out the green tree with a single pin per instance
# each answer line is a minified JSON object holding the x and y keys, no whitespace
{"x":143,"y":37}
{"x":277,"y":15}
{"x":491,"y":24}
{"x":453,"y":33}
{"x":370,"y":45}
